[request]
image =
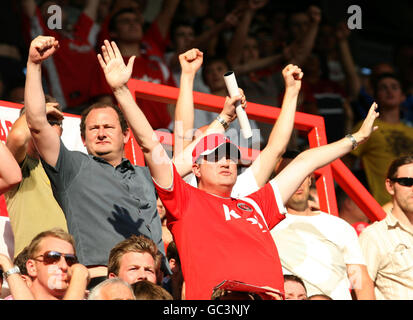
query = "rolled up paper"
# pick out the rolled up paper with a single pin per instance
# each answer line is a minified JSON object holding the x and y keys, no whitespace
{"x":233,"y":91}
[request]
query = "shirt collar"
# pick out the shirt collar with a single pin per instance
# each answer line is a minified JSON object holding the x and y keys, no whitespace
{"x":124,"y":165}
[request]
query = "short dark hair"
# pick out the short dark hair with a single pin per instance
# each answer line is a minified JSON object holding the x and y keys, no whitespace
{"x":101,"y":105}
{"x":21,"y":260}
{"x":172,"y":252}
{"x":378,"y":78}
{"x":397,"y":163}
{"x":115,"y":16}
{"x":294,"y":278}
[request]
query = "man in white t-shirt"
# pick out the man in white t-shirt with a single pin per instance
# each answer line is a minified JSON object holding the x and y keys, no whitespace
{"x":321,"y":249}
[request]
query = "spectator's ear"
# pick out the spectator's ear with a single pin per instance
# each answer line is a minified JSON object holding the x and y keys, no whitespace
{"x":31,"y":268}
{"x":111,"y":275}
{"x":196,"y":170}
{"x":390,"y":187}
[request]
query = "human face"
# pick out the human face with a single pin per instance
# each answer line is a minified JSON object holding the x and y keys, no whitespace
{"x":299,"y":200}
{"x":300,"y":22}
{"x":389,"y":93}
{"x":217,"y":177}
{"x":214,"y":75}
{"x":103,"y":135}
{"x":184,"y":37}
{"x":128,"y":27}
{"x":137,"y":266}
{"x":250,"y":51}
{"x":294,"y":291}
{"x":53,"y":278}
{"x":402,"y":195}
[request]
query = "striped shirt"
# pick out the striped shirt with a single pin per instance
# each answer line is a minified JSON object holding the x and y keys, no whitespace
{"x":387,"y":246}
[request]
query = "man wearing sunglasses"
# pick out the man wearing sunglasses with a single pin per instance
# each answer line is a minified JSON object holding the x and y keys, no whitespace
{"x":34,"y":191}
{"x":388,"y":244}
{"x":53,"y":267}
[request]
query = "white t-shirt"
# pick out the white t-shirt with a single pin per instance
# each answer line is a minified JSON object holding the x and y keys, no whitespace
{"x":245,"y":185}
{"x":317,"y":249}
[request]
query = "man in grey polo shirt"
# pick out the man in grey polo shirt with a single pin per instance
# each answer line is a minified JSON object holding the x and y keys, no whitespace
{"x":104,"y":197}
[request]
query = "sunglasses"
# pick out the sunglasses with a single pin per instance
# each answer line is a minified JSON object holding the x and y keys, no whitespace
{"x":405,"y":182}
{"x":52,"y":257}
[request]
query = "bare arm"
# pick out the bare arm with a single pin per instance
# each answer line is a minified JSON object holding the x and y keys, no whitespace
{"x":166,"y":15}
{"x":79,"y":279}
{"x":353,"y":78}
{"x":46,"y":139}
{"x":18,"y":139}
{"x":360,"y":281}
{"x":290,"y":178}
{"x":190,"y":62}
{"x":264,"y":165}
{"x":117,"y":75}
{"x":18,"y":287}
{"x":91,"y":9}
{"x":10,"y":173}
{"x":302,"y":48}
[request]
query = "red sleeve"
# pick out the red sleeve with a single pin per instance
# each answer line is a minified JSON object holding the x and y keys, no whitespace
{"x":271,"y":209}
{"x":175,"y":198}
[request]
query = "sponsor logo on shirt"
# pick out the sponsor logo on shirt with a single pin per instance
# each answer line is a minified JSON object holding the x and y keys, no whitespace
{"x":253,"y":219}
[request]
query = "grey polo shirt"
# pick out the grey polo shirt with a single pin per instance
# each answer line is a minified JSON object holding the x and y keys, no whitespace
{"x":104,"y":205}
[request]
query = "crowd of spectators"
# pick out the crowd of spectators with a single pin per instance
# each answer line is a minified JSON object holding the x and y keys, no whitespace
{"x":140,"y":259}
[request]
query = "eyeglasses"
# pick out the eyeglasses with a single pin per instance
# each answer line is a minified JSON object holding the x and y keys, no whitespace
{"x":405,"y":182}
{"x":52,"y":257}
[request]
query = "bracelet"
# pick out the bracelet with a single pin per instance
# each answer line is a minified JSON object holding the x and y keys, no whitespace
{"x":223,"y":122}
{"x":353,"y":141}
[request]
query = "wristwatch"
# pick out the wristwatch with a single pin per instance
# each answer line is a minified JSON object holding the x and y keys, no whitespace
{"x":11,"y":271}
{"x":223,"y":122}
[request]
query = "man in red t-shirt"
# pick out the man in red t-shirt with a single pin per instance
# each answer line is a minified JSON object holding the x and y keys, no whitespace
{"x":126,"y":29}
{"x":219,"y":237}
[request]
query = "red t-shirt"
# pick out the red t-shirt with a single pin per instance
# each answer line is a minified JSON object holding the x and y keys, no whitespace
{"x":223,"y":238}
{"x":147,"y":70}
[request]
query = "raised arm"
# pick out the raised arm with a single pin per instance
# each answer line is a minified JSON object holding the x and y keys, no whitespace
{"x":18,"y":287}
{"x":264,"y":165}
{"x":117,"y":75}
{"x":290,"y":178}
{"x":190,"y":62}
{"x":10,"y":173}
{"x":46,"y":139}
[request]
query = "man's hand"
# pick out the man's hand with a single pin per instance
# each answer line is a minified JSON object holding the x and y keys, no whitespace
{"x":116,"y":72}
{"x":191,"y":61}
{"x":41,"y":48}
{"x":367,"y":128}
{"x":292,"y":77}
{"x":342,"y":32}
{"x":51,"y":110}
{"x":228,"y":113}
{"x":79,"y":271}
